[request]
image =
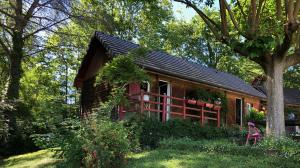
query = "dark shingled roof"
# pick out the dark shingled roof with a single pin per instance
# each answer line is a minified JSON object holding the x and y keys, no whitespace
{"x":291,"y":95}
{"x":174,"y":66}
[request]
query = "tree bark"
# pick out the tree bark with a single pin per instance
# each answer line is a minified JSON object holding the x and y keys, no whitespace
{"x":275,"y":125}
{"x":15,"y":69}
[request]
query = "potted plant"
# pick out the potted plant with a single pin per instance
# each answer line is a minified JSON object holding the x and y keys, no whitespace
{"x":218,"y":101}
{"x":255,"y":116}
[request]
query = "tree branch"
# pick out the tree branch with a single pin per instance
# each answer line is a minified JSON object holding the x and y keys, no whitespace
{"x":6,"y":28}
{"x":290,"y":11}
{"x":29,"y":13}
{"x":252,"y":18}
{"x":216,"y":28}
{"x":223,"y":18}
{"x":278,"y":9}
{"x":45,"y":28}
{"x":235,"y":24}
{"x":297,"y":8}
{"x":241,"y":8}
{"x":6,"y":49}
{"x":7,"y":14}
{"x":213,"y":26}
{"x":259,"y":10}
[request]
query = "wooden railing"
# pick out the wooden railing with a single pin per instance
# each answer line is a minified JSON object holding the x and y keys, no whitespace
{"x":171,"y":106}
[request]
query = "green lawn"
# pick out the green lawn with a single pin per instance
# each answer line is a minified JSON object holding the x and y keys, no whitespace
{"x":39,"y":159}
{"x":160,"y":158}
{"x":164,"y":158}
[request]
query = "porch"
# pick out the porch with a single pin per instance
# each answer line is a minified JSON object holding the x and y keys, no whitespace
{"x":165,"y":107}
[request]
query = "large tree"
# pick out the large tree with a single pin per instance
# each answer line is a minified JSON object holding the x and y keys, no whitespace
{"x":23,"y":25}
{"x":266,"y":32}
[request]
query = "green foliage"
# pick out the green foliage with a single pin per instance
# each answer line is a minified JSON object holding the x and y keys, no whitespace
{"x":292,"y":77}
{"x":118,"y":73}
{"x":152,"y":131}
{"x":92,"y":142}
{"x":284,"y":147}
{"x":123,"y":70}
{"x":255,"y":116}
{"x":4,"y":129}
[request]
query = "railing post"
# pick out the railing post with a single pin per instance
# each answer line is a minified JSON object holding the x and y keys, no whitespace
{"x":184,"y":109}
{"x":202,"y":116}
{"x":164,"y":108}
{"x":121,"y":112}
{"x":218,"y":118}
{"x":142,"y":102}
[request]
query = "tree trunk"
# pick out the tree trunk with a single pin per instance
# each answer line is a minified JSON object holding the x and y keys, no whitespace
{"x":275,"y":125}
{"x":15,"y":69}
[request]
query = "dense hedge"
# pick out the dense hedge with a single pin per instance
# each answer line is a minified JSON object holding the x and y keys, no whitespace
{"x":151,"y":131}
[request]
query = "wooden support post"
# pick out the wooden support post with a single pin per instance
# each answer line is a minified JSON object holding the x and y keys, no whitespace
{"x":142,"y":102}
{"x":184,"y":109}
{"x":164,"y":108}
{"x":218,"y":118}
{"x":121,"y":112}
{"x":202,"y":116}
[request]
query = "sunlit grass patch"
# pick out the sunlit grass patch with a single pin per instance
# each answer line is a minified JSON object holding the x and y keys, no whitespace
{"x":39,"y":159}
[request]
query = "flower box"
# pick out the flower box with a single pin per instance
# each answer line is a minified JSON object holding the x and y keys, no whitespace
{"x":200,"y":103}
{"x":217,"y":108}
{"x":191,"y":101}
{"x":209,"y":105}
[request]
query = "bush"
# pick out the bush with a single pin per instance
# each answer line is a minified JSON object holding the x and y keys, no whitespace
{"x":284,"y":146}
{"x":152,"y":131}
{"x":255,"y":116}
{"x":92,"y":143}
{"x":219,"y":146}
{"x":15,"y":128}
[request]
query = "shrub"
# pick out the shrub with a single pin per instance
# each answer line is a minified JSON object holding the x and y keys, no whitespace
{"x":255,"y":116}
{"x":92,"y":143}
{"x":152,"y":131}
{"x":4,"y":130}
{"x":219,"y":146}
{"x":283,"y":146}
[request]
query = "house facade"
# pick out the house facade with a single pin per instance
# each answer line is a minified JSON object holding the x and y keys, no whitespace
{"x":171,"y":80}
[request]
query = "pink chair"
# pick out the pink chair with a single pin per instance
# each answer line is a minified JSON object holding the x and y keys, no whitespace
{"x":253,"y":133}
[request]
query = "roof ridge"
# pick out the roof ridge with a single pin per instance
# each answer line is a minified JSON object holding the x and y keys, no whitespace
{"x":116,"y":37}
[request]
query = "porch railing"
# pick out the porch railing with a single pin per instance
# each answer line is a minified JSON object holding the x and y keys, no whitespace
{"x":185,"y":108}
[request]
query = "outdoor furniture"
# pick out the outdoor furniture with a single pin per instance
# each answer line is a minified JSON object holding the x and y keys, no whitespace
{"x":253,"y":133}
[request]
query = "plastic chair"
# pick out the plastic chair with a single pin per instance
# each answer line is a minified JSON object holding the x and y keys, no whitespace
{"x":253,"y":133}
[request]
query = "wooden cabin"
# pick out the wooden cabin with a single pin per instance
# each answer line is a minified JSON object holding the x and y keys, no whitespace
{"x":172,"y":78}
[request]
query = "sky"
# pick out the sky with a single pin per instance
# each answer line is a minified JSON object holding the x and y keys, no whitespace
{"x":182,"y":12}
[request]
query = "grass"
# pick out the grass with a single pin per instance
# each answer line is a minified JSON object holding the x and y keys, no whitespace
{"x":39,"y":159}
{"x":164,"y":158}
{"x":168,"y":156}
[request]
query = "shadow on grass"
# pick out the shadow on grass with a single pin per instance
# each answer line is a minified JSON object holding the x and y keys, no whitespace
{"x":182,"y":158}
